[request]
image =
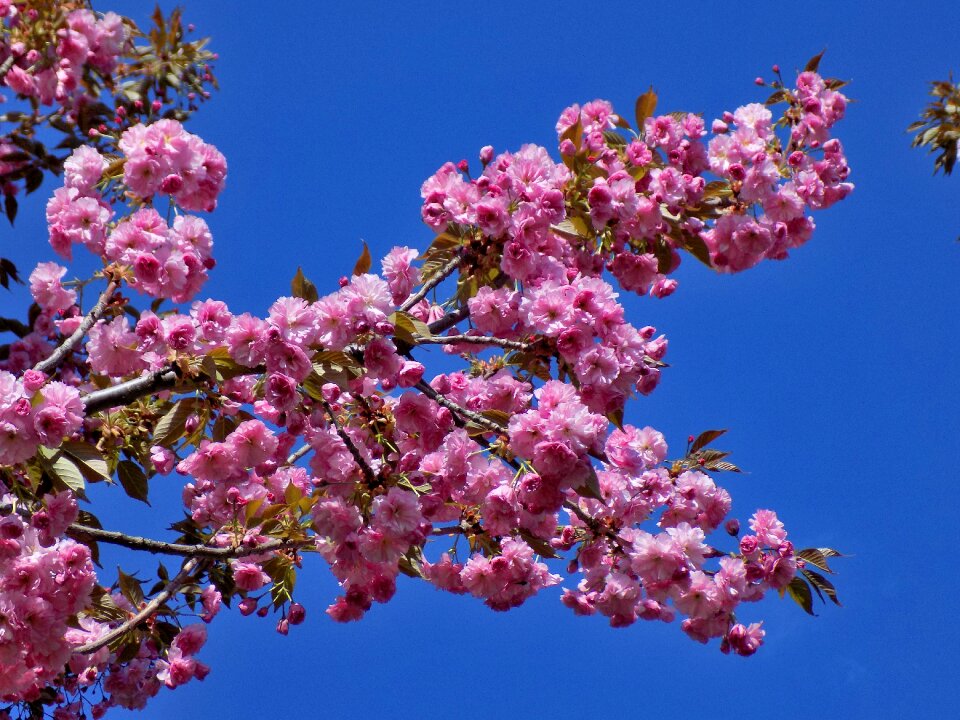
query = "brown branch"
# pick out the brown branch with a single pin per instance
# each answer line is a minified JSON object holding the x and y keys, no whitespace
{"x":472,"y":340}
{"x":438,"y":278}
{"x":126,"y":392}
{"x":149,"y":609}
{"x":368,"y":473}
{"x":66,"y":347}
{"x":595,"y":526}
{"x":297,"y":454}
{"x":448,"y":321}
{"x":462,"y":411}
{"x":84,"y":533}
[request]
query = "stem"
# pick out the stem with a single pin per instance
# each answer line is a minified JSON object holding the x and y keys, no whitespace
{"x":595,"y":525}
{"x":472,"y":340}
{"x":83,"y":533}
{"x":462,"y":411}
{"x":149,"y":609}
{"x":438,"y":278}
{"x":66,"y":347}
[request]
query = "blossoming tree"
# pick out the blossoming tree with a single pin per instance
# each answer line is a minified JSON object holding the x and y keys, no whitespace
{"x":317,"y":428}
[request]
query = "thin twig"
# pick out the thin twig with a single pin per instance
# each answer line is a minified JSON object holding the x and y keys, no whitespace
{"x":452,"y":530}
{"x":460,"y":410}
{"x":595,"y":525}
{"x":83,"y":533}
{"x":368,"y":473}
{"x":149,"y":609}
{"x":66,"y":347}
{"x":471,"y":340}
{"x":438,"y":278}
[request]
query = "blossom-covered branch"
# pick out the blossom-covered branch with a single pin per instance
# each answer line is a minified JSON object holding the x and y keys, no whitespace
{"x":524,"y":450}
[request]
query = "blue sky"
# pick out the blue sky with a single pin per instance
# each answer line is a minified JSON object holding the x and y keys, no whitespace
{"x":835,"y":371}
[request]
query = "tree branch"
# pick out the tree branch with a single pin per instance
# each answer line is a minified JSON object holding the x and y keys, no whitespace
{"x":438,"y":278}
{"x":128,"y":391}
{"x":368,"y":473}
{"x":66,"y":347}
{"x":462,"y":411}
{"x":149,"y":609}
{"x":448,"y":321}
{"x":83,"y":533}
{"x":472,"y":340}
{"x":297,"y":454}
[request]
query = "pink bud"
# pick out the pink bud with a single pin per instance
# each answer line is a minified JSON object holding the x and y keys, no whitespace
{"x":283,"y":627}
{"x":463,"y":166}
{"x":719,"y":127}
{"x":759,"y":81}
{"x":776,"y":69}
{"x":247,"y":606}
{"x":732,"y":526}
{"x":156,"y":105}
{"x":262,"y":612}
{"x":296,"y":613}
{"x":567,"y":147}
{"x":330,"y":392}
{"x":486,"y":154}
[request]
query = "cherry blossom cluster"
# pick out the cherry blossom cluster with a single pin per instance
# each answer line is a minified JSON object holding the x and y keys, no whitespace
{"x":783,"y":183}
{"x":44,"y":582}
{"x":35,"y":412}
{"x":55,"y":73}
{"x":164,"y":158}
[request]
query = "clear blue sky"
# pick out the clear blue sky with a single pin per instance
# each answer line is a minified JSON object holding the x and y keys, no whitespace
{"x":836,"y":371}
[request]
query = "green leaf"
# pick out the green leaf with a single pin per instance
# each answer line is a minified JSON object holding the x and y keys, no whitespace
{"x":130,"y":588}
{"x":10,"y":207}
{"x":173,"y":424}
{"x":411,"y":563}
{"x":705,"y":438}
{"x":813,"y":64}
{"x":818,"y":557}
{"x":616,"y":417}
{"x":407,"y":328}
{"x":89,"y":461}
{"x":614,"y":139}
{"x":574,"y":133}
{"x":540,"y":546}
{"x":820,"y":583}
{"x":363,"y":262}
{"x":777,"y":97}
{"x":133,"y":480}
{"x":645,"y":106}
{"x":226,"y":366}
{"x":800,"y":592}
{"x":302,"y":288}
{"x":590,"y":488}
{"x":63,"y":470}
{"x":664,"y":255}
{"x":695,"y":245}
{"x":722,"y":465}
